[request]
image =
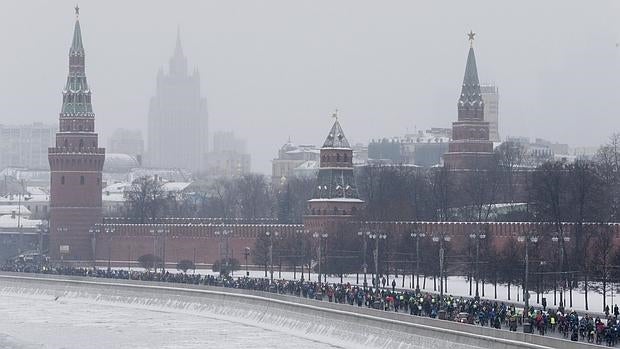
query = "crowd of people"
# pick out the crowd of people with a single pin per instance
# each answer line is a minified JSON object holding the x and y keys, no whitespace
{"x":473,"y":311}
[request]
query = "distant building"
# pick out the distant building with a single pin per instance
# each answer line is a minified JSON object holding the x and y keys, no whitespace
{"x":229,"y":157}
{"x":490,"y":96}
{"x":125,"y":141}
{"x":540,"y":151}
{"x":26,"y":145}
{"x":177,"y":120}
{"x":34,"y":203}
{"x":423,"y":148}
{"x":292,"y":157}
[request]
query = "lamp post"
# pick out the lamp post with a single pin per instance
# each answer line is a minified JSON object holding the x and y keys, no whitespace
{"x":270,"y":236}
{"x":62,"y":248}
{"x":441,"y":238}
{"x":477,"y":237}
{"x":364,"y":235}
{"x":246,"y":253}
{"x":93,"y":242}
{"x":319,"y":236}
{"x":223,"y":256}
{"x":43,"y":229}
{"x":526,"y":292}
{"x":109,"y":232}
{"x":562,"y":240}
{"x":417,"y":237}
{"x":377,"y":237}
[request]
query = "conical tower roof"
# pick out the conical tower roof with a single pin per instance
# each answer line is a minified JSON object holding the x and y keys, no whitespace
{"x":470,"y":92}
{"x":76,"y":94}
{"x":77,"y":46}
{"x":336,"y":137}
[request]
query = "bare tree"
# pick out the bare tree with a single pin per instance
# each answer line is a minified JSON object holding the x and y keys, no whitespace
{"x":145,"y":199}
{"x":510,"y":156}
{"x":255,"y":200}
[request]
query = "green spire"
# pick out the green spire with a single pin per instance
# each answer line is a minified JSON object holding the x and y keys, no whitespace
{"x":76,"y":45}
{"x":76,"y":94}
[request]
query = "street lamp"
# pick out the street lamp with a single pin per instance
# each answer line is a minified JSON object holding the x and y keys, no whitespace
{"x":526,"y":292}
{"x":109,"y":232}
{"x":377,"y":237}
{"x":223,"y":235}
{"x":417,"y":237}
{"x":246,"y":253}
{"x":270,"y":236}
{"x":319,"y":236}
{"x":562,"y":241}
{"x":441,"y":240}
{"x":477,"y":237}
{"x":364,"y":235}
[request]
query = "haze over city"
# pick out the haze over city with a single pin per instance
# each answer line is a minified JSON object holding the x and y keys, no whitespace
{"x":312,"y":174}
{"x":274,"y":69}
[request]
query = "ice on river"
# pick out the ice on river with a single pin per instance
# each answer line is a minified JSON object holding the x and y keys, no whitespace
{"x":29,"y":321}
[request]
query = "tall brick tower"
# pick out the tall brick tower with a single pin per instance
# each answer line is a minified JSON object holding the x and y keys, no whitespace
{"x":336,"y":199}
{"x":470,"y":148}
{"x":75,"y":165}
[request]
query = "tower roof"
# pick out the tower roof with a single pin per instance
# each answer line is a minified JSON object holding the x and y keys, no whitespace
{"x":336,"y":137}
{"x":76,"y":94}
{"x":76,"y":45}
{"x":470,"y":92}
{"x":178,"y":61}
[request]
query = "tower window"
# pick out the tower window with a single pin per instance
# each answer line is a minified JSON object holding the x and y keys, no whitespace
{"x":62,"y":180}
{"x":82,"y":180}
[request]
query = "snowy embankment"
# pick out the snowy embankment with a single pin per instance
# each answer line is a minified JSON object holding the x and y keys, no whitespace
{"x":154,"y":308}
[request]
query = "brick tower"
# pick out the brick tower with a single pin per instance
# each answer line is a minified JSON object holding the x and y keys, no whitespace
{"x":470,"y":148}
{"x":336,"y":199}
{"x":75,"y":165}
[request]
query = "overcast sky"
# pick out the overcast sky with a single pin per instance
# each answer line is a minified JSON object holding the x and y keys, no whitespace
{"x":273,"y":69}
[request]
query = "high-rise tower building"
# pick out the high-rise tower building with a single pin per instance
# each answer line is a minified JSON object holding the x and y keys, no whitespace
{"x":177,"y":120}
{"x":490,"y":97}
{"x":470,"y":147}
{"x":335,"y":198}
{"x":75,"y":162}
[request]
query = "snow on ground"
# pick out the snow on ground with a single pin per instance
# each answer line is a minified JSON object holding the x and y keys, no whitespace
{"x":39,"y":321}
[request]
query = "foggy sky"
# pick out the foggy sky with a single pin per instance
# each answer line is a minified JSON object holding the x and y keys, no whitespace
{"x":273,"y":69}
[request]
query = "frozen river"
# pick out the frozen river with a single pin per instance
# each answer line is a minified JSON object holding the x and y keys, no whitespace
{"x":39,"y":321}
{"x":73,"y":312}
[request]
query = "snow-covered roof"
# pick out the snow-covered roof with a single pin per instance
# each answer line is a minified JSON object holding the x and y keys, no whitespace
{"x":8,"y":222}
{"x":175,"y":186}
{"x":308,"y":165}
{"x":9,"y":209}
{"x":304,"y":150}
{"x":336,"y":200}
